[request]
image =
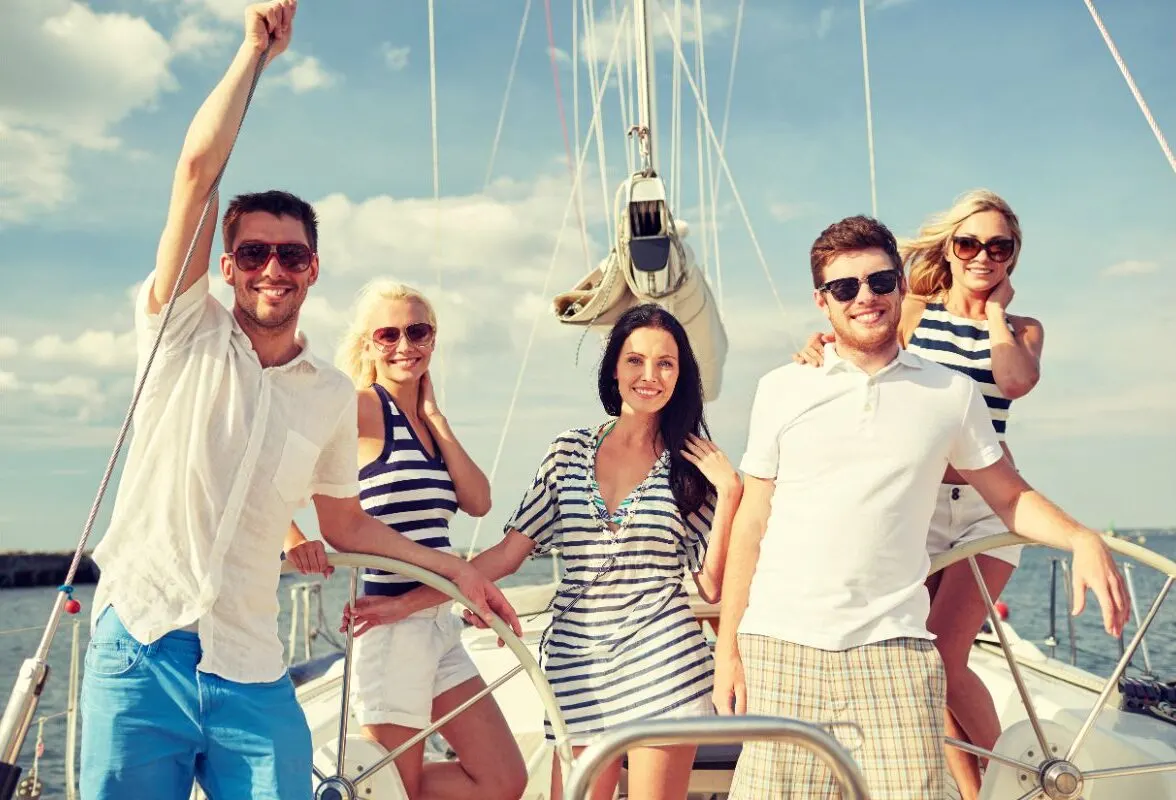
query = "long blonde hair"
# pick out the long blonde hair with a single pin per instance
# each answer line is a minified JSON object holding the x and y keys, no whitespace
{"x":351,"y":357}
{"x":925,"y":256}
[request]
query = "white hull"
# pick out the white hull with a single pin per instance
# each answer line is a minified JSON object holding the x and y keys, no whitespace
{"x":1063,"y":696}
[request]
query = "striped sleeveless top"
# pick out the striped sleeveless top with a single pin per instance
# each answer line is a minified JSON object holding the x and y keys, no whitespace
{"x":408,"y":490}
{"x":962,"y":344}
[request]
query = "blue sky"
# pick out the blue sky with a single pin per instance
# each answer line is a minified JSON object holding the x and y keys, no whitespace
{"x":1020,"y":96}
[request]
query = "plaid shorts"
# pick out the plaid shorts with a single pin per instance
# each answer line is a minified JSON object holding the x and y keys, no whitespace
{"x":894,"y":690}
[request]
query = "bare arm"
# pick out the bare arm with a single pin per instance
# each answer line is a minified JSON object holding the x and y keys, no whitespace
{"x":710,"y":579}
{"x":495,"y":563}
{"x":348,"y":528}
{"x":209,"y":138}
{"x":747,"y":530}
{"x":1029,"y":513}
{"x":469,"y":482}
{"x":1016,"y":355}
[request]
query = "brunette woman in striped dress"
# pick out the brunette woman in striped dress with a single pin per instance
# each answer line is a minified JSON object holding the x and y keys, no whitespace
{"x":631,"y":503}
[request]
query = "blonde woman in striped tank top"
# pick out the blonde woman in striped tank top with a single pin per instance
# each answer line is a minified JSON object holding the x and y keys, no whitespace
{"x":410,"y":667}
{"x":959,"y":273}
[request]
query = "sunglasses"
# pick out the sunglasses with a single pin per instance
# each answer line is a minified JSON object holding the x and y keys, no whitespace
{"x":418,"y":333}
{"x":999,"y":249}
{"x":846,"y":289}
{"x":293,"y":256}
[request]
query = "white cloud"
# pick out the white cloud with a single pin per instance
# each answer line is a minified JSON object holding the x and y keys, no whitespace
{"x":104,"y":349}
{"x":8,"y":381}
{"x":225,"y":10}
{"x":8,"y":347}
{"x":395,"y":57}
{"x":306,"y":74}
{"x":195,"y":34}
{"x":786,"y":212}
{"x":600,"y":45}
{"x":825,"y":21}
{"x":69,"y":386}
{"x":1130,"y":267}
{"x":80,"y":72}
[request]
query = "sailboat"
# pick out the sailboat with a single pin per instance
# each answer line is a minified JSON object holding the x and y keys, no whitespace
{"x":1067,"y":732}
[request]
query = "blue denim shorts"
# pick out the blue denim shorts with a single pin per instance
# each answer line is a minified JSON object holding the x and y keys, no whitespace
{"x":152,"y":725}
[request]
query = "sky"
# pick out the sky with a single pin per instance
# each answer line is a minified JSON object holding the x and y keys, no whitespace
{"x":1019,"y":96}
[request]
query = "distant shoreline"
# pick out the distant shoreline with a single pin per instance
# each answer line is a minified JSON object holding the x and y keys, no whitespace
{"x":22,"y":569}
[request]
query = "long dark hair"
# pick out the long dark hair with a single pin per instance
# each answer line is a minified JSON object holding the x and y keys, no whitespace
{"x":682,"y":415}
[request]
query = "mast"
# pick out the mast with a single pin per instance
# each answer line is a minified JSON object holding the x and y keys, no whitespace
{"x":646,"y":94}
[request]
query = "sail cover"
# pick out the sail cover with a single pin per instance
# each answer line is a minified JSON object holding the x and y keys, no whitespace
{"x":651,"y":264}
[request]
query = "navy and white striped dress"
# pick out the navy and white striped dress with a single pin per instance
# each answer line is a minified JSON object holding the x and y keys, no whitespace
{"x":623,"y":644}
{"x":962,"y":344}
{"x":408,"y":490}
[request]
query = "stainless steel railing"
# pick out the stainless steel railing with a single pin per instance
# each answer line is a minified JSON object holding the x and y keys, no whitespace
{"x":715,"y":730}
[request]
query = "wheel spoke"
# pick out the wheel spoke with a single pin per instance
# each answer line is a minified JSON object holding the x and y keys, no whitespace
{"x":420,"y":735}
{"x":1008,"y":654}
{"x":1124,"y":660}
{"x":1032,"y":794}
{"x":968,"y":747}
{"x":345,"y":712}
{"x":1140,"y":769}
{"x":317,"y":773}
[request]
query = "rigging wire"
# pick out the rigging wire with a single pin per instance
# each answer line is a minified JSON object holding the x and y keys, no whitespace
{"x":517,"y":390}
{"x":1151,"y":121}
{"x":869,"y":110}
{"x":563,"y":124}
{"x":514,"y":64}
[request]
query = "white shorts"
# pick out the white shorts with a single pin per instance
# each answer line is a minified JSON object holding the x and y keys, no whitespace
{"x":961,"y":515}
{"x":397,"y":669}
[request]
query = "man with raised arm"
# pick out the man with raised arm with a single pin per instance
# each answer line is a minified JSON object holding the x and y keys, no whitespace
{"x":824,"y":605}
{"x":237,"y":426}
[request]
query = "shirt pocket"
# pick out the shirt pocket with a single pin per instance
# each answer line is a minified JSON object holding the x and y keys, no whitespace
{"x":295,"y":468}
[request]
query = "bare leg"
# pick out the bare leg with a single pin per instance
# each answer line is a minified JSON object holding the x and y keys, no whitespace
{"x":660,"y":773}
{"x":409,"y":763}
{"x":964,"y":767}
{"x":489,"y":765}
{"x":957,"y":611}
{"x":604,"y":788}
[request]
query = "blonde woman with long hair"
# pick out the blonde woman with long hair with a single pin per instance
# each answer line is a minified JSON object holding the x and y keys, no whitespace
{"x":409,"y":664}
{"x":959,"y":274}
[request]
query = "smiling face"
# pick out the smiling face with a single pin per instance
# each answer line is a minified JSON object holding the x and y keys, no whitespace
{"x":867,"y":322}
{"x":647,"y":370}
{"x":270,"y":296}
{"x":392,"y":329}
{"x":977,"y":271}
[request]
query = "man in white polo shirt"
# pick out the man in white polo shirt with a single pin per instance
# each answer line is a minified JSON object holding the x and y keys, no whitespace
{"x":237,"y":426}
{"x":824,"y":604}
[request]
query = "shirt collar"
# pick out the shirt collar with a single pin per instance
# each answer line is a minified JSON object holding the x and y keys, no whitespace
{"x":304,"y":361}
{"x":834,"y":363}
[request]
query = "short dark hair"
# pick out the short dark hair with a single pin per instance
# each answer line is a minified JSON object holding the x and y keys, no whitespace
{"x":276,"y":202}
{"x":851,"y":235}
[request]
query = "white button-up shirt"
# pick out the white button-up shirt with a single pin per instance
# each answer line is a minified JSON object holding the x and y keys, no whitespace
{"x":224,"y":451}
{"x":857,"y":460}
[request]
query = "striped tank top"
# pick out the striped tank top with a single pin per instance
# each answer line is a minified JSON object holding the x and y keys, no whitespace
{"x":408,"y":490}
{"x":962,"y":344}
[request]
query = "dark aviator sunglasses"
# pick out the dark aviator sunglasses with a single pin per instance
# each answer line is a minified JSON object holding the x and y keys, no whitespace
{"x":418,"y":333}
{"x":845,"y":289}
{"x":1000,"y":249}
{"x":292,"y":256}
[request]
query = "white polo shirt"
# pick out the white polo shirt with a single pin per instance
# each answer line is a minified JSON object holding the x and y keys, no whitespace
{"x":224,"y":451}
{"x":857,"y":460}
